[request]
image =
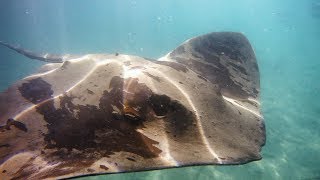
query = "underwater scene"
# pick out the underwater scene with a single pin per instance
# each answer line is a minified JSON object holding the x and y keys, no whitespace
{"x":266,"y":106}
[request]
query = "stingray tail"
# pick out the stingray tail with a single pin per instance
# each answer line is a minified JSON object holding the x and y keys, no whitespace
{"x":51,"y":58}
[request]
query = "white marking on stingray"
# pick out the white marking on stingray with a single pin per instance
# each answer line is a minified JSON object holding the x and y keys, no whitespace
{"x":232,"y":101}
{"x":76,"y":84}
{"x":80,"y":58}
{"x":204,"y":139}
{"x":51,"y":71}
{"x":40,"y":162}
{"x":41,"y":74}
{"x":135,"y":73}
{"x":125,"y":91}
{"x":99,"y":62}
{"x":83,"y":79}
{"x":33,"y":107}
{"x":131,"y":73}
{"x":165,"y":58}
{"x":253,"y":100}
{"x":167,"y":156}
{"x":151,"y":83}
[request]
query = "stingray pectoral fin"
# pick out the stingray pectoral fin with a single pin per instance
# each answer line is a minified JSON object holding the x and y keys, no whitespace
{"x":51,"y":58}
{"x":223,"y":58}
{"x":226,"y":61}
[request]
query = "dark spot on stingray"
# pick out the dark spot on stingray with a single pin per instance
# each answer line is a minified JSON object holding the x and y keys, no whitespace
{"x":104,"y":167}
{"x":116,"y":82}
{"x":4,"y":145}
{"x":174,"y":65}
{"x":201,"y":77}
{"x":178,"y":118}
{"x":90,"y":92}
{"x":17,"y":124}
{"x":65,"y":65}
{"x":94,"y":130}
{"x":131,"y":159}
{"x":36,"y":90}
{"x":90,"y":170}
{"x":152,"y":76}
{"x":160,"y":104}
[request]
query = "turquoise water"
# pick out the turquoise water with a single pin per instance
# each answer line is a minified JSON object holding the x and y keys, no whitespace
{"x":284,"y":33}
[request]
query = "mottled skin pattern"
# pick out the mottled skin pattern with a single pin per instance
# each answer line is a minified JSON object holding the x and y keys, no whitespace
{"x":104,"y":113}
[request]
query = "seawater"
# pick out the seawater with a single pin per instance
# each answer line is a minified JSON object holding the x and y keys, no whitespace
{"x":285,"y":35}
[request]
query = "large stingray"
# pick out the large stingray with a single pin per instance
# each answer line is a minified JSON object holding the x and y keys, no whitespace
{"x":107,"y":113}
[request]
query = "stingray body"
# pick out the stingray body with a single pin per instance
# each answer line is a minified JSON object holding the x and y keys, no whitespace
{"x":108,"y":113}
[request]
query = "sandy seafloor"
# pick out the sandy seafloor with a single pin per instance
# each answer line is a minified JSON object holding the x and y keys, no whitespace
{"x":284,"y":33}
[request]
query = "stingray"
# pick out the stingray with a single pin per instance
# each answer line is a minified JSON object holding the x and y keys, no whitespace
{"x":110,"y":113}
